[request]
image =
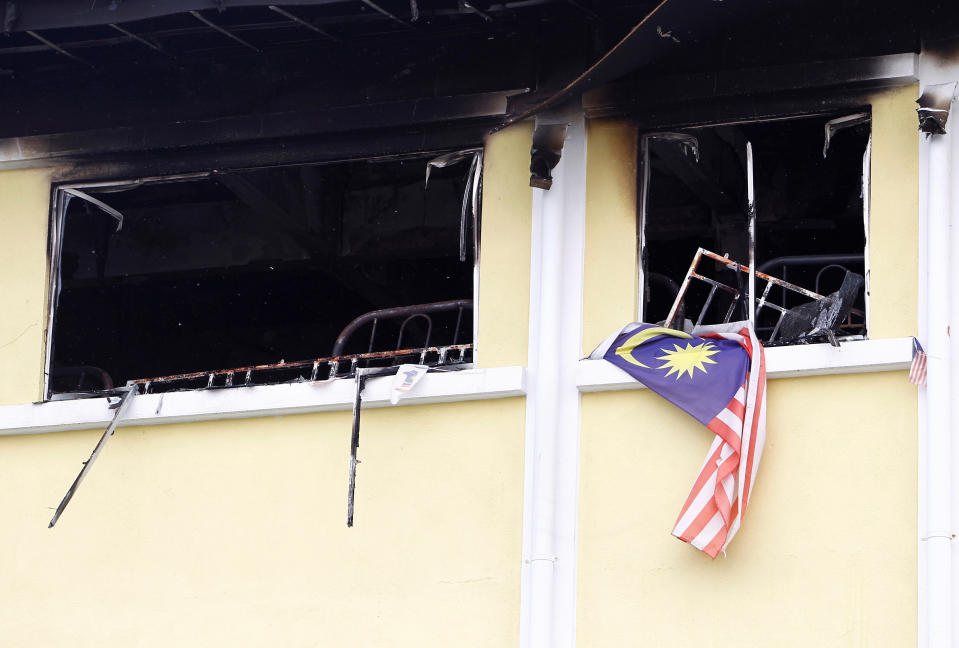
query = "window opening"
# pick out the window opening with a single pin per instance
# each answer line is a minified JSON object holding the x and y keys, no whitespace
{"x":250,"y":276}
{"x":802,"y":183}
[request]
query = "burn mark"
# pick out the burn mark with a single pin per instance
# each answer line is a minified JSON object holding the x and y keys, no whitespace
{"x":547,"y":149}
{"x":935,"y":103}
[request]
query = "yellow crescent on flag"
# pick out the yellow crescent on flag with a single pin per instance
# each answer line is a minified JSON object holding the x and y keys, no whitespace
{"x":625,"y":350}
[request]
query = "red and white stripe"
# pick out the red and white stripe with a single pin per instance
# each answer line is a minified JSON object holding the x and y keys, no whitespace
{"x":917,"y":371}
{"x":714,"y":509}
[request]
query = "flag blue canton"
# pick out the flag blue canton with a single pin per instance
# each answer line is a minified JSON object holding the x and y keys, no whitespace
{"x":697,"y":374}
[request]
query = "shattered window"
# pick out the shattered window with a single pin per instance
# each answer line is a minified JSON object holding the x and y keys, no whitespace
{"x":811,"y":212}
{"x":259,"y":267}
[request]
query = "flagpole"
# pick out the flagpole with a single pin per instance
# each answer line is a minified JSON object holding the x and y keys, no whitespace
{"x":751,"y":215}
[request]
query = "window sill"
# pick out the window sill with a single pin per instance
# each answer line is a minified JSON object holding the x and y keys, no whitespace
{"x":262,"y":400}
{"x":860,"y":356}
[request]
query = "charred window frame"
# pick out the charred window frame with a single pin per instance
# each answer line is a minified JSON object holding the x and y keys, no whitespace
{"x":449,"y":231}
{"x":804,"y":178}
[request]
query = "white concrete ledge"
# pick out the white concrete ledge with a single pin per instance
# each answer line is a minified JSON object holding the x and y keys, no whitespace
{"x":263,"y":400}
{"x":859,"y":356}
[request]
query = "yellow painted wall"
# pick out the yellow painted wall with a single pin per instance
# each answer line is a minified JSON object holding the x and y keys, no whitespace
{"x":894,"y":221}
{"x":610,"y":287}
{"x":827,"y":552}
{"x":24,"y":220}
{"x":233,"y":533}
{"x":503,"y":338}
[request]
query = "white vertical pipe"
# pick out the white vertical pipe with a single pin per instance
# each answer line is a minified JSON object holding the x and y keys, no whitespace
{"x":952,"y":362}
{"x":548,"y":597}
{"x":922,"y":419}
{"x":936,"y":536}
{"x":568,"y":395}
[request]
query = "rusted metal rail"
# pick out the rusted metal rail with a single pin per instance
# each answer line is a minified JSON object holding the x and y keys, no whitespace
{"x":335,"y":366}
{"x":339,"y":364}
{"x":761,"y":302}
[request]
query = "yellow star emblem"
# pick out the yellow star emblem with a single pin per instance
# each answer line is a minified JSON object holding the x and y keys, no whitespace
{"x":686,"y":360}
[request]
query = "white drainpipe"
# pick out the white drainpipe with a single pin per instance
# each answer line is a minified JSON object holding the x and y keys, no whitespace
{"x":548,"y":590}
{"x":939,"y":408}
{"x":936,"y":537}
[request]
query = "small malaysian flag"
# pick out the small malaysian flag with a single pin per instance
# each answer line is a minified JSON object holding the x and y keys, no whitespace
{"x":917,"y":372}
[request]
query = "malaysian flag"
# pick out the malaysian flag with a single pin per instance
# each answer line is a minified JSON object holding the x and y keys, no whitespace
{"x":718,"y":377}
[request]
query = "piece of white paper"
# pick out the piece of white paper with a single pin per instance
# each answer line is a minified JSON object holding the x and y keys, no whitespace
{"x":405,"y":379}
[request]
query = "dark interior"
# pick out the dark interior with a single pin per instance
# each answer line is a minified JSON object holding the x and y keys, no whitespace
{"x":255,"y":267}
{"x":807,"y":205}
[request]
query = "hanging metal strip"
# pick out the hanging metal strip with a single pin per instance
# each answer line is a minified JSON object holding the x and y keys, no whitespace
{"x":121,"y":408}
{"x":97,"y":202}
{"x":361,"y":376}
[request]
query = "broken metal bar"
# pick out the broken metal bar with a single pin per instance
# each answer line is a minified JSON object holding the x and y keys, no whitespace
{"x":779,"y":321}
{"x":709,"y":300}
{"x":361,"y":377}
{"x":470,"y":191}
{"x":448,"y":159}
{"x":683,"y":288}
{"x":716,"y":284}
{"x":732,"y":307}
{"x":477,"y":204}
{"x":125,"y":399}
{"x":57,"y":48}
{"x":835,"y":305}
{"x":732,"y":265}
{"x":99,"y":203}
{"x":225,"y":32}
{"x":139,"y":39}
{"x":735,"y":267}
{"x":833,"y":126}
{"x":762,"y":300}
{"x":469,"y":198}
{"x":354,"y":446}
{"x":302,"y":22}
{"x":375,"y":7}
